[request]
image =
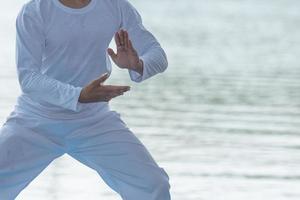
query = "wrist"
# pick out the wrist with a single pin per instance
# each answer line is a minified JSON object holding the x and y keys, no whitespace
{"x":140,"y":67}
{"x":83,"y":96}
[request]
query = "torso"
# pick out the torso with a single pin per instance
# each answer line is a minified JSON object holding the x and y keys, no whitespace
{"x":76,"y":41}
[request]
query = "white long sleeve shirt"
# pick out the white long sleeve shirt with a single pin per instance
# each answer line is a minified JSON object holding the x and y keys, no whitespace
{"x":60,"y":49}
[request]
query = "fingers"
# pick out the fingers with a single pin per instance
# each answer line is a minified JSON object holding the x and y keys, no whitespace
{"x":109,"y":97}
{"x":100,"y":80}
{"x":115,"y":89}
{"x":126,"y":42}
{"x":112,"y":53}
{"x":113,"y":95}
{"x":122,"y":40}
{"x":117,"y":39}
{"x":130,"y":46}
{"x":122,"y":37}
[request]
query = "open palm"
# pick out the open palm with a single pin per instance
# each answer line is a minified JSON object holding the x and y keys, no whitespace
{"x":126,"y":56}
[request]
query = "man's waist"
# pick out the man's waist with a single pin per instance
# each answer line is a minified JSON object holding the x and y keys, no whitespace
{"x":26,"y":104}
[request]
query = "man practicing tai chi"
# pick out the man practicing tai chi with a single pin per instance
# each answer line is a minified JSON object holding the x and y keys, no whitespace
{"x":62,"y":56}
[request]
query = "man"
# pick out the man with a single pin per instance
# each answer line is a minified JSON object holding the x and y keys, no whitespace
{"x":61,"y":51}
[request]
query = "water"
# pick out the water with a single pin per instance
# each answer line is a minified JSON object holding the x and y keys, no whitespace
{"x":224,"y":120}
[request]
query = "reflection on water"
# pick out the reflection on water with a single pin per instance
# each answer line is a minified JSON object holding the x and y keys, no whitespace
{"x":224,"y":120}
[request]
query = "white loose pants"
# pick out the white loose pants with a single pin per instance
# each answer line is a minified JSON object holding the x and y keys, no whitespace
{"x":101,"y":141}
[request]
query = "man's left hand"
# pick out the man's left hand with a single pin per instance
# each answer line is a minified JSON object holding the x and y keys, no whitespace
{"x":126,"y":56}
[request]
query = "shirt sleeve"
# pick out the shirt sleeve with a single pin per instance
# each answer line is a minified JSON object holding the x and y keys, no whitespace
{"x":30,"y":44}
{"x":149,"y":49}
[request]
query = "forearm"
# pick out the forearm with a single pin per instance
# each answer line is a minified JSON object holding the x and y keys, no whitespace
{"x":154,"y":61}
{"x":43,"y":88}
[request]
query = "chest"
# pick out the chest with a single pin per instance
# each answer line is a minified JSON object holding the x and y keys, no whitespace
{"x":81,"y":30}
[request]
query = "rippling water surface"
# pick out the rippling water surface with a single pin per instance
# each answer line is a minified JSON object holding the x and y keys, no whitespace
{"x":223,"y":120}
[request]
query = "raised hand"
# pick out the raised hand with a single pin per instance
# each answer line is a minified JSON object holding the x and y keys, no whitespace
{"x":95,"y":91}
{"x":126,"y":56}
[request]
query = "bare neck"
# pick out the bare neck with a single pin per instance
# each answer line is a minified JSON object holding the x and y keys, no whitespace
{"x":75,"y":3}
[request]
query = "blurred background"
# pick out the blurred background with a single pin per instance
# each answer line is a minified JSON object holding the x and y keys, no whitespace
{"x":223,"y":120}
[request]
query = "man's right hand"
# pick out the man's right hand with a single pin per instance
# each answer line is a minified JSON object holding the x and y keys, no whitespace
{"x":95,"y":91}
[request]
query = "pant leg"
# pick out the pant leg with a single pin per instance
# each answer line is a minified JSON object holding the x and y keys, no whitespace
{"x":109,"y":147}
{"x":23,"y":155}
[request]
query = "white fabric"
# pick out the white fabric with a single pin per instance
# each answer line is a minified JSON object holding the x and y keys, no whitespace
{"x":59,"y":50}
{"x":101,"y":141}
